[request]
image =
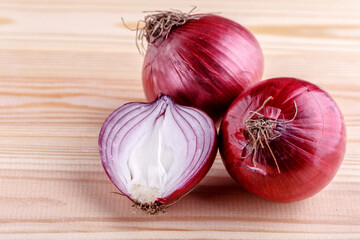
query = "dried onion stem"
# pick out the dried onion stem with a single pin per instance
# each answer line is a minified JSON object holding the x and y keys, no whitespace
{"x":261,"y":130}
{"x":159,"y":22}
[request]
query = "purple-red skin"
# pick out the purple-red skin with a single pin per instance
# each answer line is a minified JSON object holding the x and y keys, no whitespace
{"x":205,"y":63}
{"x":309,"y":151}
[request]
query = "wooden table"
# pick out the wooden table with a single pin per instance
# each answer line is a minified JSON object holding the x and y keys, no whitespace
{"x":65,"y":65}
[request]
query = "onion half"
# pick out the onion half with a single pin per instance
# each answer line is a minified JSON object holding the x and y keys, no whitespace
{"x":204,"y":61}
{"x":283,"y":139}
{"x":156,"y":152}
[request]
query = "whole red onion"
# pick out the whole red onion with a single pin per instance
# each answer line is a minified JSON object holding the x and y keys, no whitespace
{"x":204,"y":61}
{"x":157,"y":152}
{"x":283,"y":139}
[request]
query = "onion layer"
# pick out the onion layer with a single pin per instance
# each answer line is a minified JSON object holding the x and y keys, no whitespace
{"x":156,"y":152}
{"x":283,"y":139}
{"x":204,"y":61}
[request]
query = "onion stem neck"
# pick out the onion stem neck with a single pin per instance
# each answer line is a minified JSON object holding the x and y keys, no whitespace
{"x":262,"y":130}
{"x":162,"y":22}
{"x":159,"y":24}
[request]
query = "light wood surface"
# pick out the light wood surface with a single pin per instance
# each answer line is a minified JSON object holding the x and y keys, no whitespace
{"x":65,"y":65}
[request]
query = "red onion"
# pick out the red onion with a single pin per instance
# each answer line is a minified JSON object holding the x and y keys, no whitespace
{"x":156,"y":152}
{"x":283,"y":139}
{"x":204,"y":61}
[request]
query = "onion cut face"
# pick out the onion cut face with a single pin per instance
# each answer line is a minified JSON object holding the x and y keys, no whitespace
{"x":204,"y":61}
{"x":156,"y":152}
{"x":283,"y":139}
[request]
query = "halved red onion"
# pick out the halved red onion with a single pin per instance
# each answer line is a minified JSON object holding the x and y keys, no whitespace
{"x":156,"y":152}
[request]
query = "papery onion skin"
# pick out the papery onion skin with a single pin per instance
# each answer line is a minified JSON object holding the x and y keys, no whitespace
{"x":205,"y":63}
{"x":106,"y":146}
{"x":309,"y":151}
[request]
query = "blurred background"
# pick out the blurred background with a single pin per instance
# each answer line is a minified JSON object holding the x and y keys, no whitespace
{"x":66,"y":65}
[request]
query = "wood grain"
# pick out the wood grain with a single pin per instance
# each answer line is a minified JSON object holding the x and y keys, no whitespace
{"x":65,"y":65}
